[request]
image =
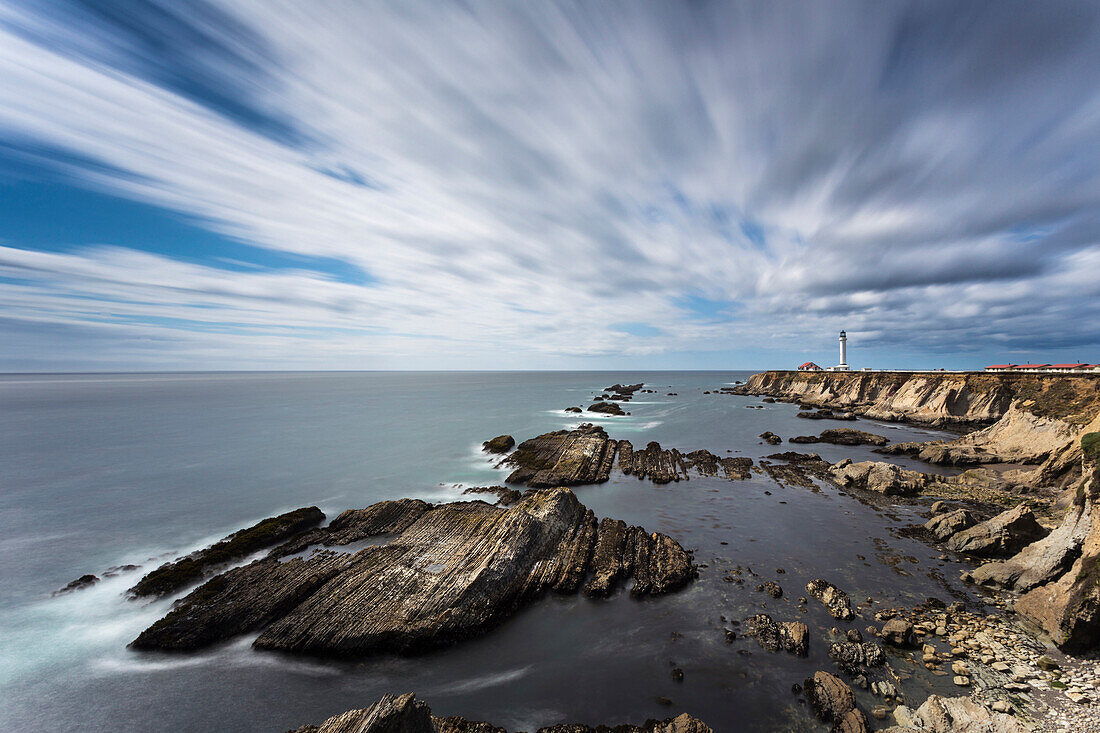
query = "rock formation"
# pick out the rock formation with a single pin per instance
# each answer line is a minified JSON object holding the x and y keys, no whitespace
{"x":429,"y":575}
{"x":499,"y":444}
{"x":791,"y":636}
{"x":833,"y":598}
{"x":1069,"y":608}
{"x":406,"y":714}
{"x":607,"y":408}
{"x":883,"y":478}
{"x":563,"y":458}
{"x":586,"y":456}
{"x":833,"y":700}
{"x":951,"y":715}
{"x":944,"y":525}
{"x":173,"y":576}
{"x":842,"y":436}
{"x":1003,"y":535}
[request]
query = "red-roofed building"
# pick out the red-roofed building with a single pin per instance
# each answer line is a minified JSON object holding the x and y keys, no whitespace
{"x":1069,"y":366}
{"x":1033,"y":366}
{"x":810,"y":367}
{"x":1000,"y":367}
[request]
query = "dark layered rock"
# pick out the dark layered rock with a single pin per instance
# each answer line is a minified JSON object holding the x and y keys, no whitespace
{"x":1003,"y":535}
{"x":706,"y":463}
{"x":791,"y":636}
{"x":770,"y":438}
{"x":854,"y":657}
{"x":842,"y":436}
{"x":406,"y":714}
{"x":84,"y":581}
{"x":798,"y":469}
{"x":499,"y":444}
{"x":943,"y":526}
{"x":832,"y":700}
{"x":606,"y":408}
{"x":833,"y":598}
{"x":654,"y":462}
{"x":827,"y":415}
{"x":451,"y":573}
{"x":563,"y":458}
{"x":173,"y":576}
{"x":505,"y":496}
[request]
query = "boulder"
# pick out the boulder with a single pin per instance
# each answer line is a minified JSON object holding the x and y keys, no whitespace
{"x":499,"y":444}
{"x":834,"y":599}
{"x":833,"y":700}
{"x":1003,"y":535}
{"x":791,"y":636}
{"x":770,"y":438}
{"x":606,"y":408}
{"x":883,"y":478}
{"x":451,"y":572}
{"x":952,"y":715}
{"x":897,"y":632}
{"x":574,"y":409}
{"x":853,"y":657}
{"x":173,"y":576}
{"x":943,"y":526}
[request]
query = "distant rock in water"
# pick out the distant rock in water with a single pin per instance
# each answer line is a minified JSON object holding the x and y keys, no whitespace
{"x":170,"y":577}
{"x":499,"y":444}
{"x":574,"y":409}
{"x":406,"y":714}
{"x":842,"y":436}
{"x":608,"y":408}
{"x":771,"y":438}
{"x":827,"y":415}
{"x":84,"y":581}
{"x":443,"y":574}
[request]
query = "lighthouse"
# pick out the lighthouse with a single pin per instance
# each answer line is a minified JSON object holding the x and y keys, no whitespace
{"x":843,"y":365}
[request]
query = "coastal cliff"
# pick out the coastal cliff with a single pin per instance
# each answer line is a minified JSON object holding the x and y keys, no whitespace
{"x":970,"y":398}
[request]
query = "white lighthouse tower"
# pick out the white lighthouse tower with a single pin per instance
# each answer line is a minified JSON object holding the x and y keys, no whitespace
{"x":843,"y":365}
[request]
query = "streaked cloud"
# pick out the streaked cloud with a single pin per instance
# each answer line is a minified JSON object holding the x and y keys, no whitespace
{"x":358,"y":185}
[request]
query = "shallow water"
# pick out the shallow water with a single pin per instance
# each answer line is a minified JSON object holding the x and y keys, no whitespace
{"x":104,"y":470}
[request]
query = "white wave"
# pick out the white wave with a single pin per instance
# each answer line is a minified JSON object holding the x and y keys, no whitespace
{"x":480,"y":683}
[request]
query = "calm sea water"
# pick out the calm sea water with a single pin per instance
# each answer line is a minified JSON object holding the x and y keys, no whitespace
{"x":104,"y":470}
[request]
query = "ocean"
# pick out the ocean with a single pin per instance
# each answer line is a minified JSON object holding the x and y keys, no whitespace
{"x":103,"y":470}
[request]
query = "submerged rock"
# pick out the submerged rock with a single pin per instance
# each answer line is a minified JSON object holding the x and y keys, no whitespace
{"x":842,"y":436}
{"x":406,"y":714}
{"x":451,"y":572}
{"x":827,"y":415}
{"x":833,"y":598}
{"x":1003,"y":535}
{"x":499,"y":444}
{"x":172,"y":576}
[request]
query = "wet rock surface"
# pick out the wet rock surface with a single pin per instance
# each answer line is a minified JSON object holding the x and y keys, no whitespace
{"x":444,"y":573}
{"x":172,"y":576}
{"x":499,"y":444}
{"x":790,"y":636}
{"x":842,"y":436}
{"x":834,"y":599}
{"x":406,"y":714}
{"x":832,"y":700}
{"x":505,"y":496}
{"x":84,"y":581}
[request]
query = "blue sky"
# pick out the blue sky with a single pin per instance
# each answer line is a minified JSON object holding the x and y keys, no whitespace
{"x":254,"y":184}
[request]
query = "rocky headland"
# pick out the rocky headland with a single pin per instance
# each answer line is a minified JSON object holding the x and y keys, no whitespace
{"x":406,"y":714}
{"x":404,"y":576}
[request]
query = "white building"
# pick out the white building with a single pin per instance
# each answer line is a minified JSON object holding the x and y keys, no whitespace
{"x":843,"y":365}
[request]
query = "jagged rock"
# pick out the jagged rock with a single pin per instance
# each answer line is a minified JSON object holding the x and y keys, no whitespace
{"x":953,"y":715}
{"x":1068,"y":609}
{"x":770,"y":438}
{"x":854,"y":657}
{"x":842,"y":436}
{"x":706,"y":463}
{"x":940,"y":507}
{"x":884,"y":478}
{"x":897,"y":632}
{"x":655,"y":463}
{"x":834,"y":599}
{"x":505,"y":496}
{"x":943,"y":526}
{"x":453,"y":572}
{"x":499,"y":444}
{"x":84,"y":581}
{"x":607,"y":408}
{"x":1005,"y":534}
{"x":772,"y":588}
{"x":172,"y":576}
{"x":563,"y":458}
{"x":833,"y":700}
{"x":406,"y":714}
{"x":798,"y":469}
{"x":791,"y":636}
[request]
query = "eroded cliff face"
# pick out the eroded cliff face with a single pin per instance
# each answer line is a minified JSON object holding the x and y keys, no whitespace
{"x":1035,"y":419}
{"x":937,"y":398}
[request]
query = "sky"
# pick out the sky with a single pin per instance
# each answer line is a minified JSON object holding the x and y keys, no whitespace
{"x":247,"y":184}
